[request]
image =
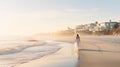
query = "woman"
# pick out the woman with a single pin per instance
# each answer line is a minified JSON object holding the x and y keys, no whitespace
{"x":77,"y":47}
{"x":78,"y":41}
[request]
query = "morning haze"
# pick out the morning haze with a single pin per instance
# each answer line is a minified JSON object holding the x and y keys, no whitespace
{"x":32,"y":16}
{"x":59,"y":33}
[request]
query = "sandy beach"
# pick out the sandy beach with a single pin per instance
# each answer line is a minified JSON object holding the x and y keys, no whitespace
{"x":101,"y":51}
{"x":96,"y":51}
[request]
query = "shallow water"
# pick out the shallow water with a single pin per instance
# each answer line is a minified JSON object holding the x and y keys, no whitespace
{"x":15,"y":51}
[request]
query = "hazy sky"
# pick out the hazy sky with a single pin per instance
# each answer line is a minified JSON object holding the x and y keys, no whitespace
{"x":35,"y":16}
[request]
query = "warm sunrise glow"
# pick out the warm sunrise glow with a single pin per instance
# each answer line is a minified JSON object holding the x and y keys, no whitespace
{"x":36,"y":16}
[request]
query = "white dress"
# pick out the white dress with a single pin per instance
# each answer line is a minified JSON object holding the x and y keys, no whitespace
{"x":78,"y":43}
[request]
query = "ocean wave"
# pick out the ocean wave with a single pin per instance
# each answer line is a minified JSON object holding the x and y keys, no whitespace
{"x":6,"y":49}
{"x":17,"y":54}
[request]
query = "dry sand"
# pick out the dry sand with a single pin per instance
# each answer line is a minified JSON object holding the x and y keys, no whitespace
{"x":100,"y":52}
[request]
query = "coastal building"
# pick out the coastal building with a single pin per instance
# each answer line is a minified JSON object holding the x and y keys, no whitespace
{"x":119,"y":25}
{"x":79,"y":28}
{"x":92,"y":26}
{"x":98,"y":27}
{"x":108,"y":25}
{"x":86,"y":27}
{"x":112,"y":25}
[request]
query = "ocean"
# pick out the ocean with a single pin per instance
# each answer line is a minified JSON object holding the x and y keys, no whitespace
{"x":18,"y":50}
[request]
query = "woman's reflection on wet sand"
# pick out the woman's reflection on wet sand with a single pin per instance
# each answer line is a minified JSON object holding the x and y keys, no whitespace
{"x":77,"y":56}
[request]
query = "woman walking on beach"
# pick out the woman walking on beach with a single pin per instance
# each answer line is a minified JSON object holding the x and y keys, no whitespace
{"x":77,"y":47}
{"x":78,"y":41}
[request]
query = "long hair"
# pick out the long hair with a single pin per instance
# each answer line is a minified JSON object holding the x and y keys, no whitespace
{"x":77,"y":37}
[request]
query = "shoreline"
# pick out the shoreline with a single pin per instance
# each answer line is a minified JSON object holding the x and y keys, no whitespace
{"x":59,"y":59}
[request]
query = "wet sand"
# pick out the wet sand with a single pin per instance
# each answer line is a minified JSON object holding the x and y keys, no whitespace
{"x":63,"y":58}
